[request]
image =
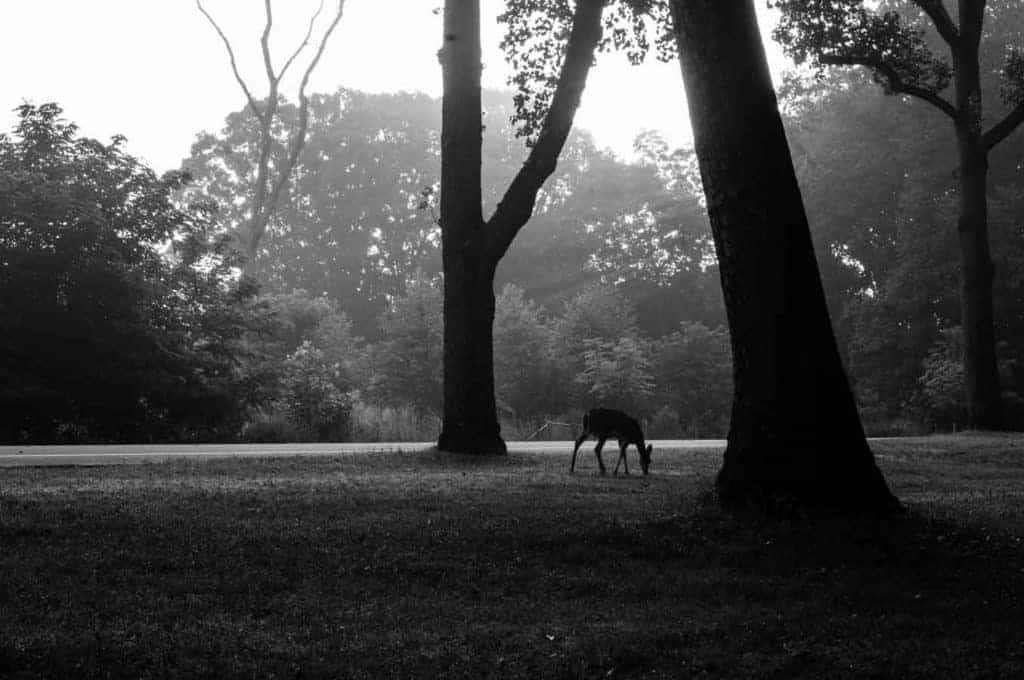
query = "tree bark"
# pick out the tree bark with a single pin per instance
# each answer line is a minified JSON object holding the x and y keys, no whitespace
{"x":470,"y":421}
{"x":795,"y":435}
{"x":981,"y":373}
{"x":471,"y":248}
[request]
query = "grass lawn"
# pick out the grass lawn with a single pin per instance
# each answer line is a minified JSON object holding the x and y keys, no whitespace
{"x":422,"y":565}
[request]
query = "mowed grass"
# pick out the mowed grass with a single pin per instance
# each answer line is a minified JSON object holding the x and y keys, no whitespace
{"x":424,"y":565}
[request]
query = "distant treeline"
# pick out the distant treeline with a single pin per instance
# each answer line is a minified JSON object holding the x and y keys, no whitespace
{"x":125,"y":319}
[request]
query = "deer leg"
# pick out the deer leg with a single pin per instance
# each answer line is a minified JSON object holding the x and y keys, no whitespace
{"x":622,"y":458}
{"x":579,"y":442}
{"x":597,"y":452}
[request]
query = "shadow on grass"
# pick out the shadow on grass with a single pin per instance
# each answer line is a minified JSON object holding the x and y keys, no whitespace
{"x":361,"y":567}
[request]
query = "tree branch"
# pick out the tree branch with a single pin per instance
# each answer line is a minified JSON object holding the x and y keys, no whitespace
{"x":305,"y":40}
{"x":320,"y":49}
{"x":936,"y":10}
{"x":265,"y":44}
{"x":298,"y":140}
{"x":894,"y":81}
{"x":267,"y":193}
{"x":1003,"y":128}
{"x":516,"y":206}
{"x":231,"y":58}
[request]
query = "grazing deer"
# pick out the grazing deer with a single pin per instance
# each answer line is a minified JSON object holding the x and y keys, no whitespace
{"x":606,"y":423}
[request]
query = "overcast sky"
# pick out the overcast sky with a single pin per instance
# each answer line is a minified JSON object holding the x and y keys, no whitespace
{"x":155,"y":71}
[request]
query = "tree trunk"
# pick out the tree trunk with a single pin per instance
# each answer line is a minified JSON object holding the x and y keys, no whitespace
{"x":795,"y":435}
{"x":470,"y":422}
{"x":471,"y":248}
{"x":977,"y":318}
{"x":981,"y":373}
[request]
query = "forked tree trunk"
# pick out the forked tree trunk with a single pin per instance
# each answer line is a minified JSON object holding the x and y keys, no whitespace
{"x":471,"y":248}
{"x":795,"y":434}
{"x":470,"y":422}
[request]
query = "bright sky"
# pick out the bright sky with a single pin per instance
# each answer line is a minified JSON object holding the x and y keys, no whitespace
{"x":155,"y":71}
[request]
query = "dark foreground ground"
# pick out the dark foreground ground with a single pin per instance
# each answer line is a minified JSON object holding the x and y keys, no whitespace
{"x":421,"y":565}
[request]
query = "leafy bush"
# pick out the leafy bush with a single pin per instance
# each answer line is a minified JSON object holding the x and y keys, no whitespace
{"x":407,"y":362}
{"x":617,"y":373}
{"x":942,"y":381}
{"x":313,"y":396}
{"x":112,"y":296}
{"x":694,"y":369}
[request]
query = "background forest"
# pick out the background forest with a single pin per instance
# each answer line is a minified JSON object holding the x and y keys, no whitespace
{"x":126,"y":319}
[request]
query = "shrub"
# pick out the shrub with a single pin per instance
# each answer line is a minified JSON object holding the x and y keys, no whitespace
{"x":311,"y":396}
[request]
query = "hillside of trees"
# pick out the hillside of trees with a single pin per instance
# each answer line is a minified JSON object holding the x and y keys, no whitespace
{"x":126,"y":319}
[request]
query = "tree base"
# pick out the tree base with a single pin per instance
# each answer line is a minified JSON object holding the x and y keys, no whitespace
{"x":471,"y":442}
{"x":785,"y":481}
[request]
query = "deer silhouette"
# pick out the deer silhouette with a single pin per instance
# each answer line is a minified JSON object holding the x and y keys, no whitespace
{"x":606,"y":423}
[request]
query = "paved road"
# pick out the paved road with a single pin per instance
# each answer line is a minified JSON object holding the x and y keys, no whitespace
{"x":102,"y":454}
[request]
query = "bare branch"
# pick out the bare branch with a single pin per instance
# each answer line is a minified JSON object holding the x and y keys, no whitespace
{"x":320,"y":51}
{"x":234,"y":63}
{"x":1003,"y":128}
{"x":268,"y":202}
{"x":936,"y":10}
{"x":517,"y":204}
{"x":265,"y":44}
{"x":895,"y":83}
{"x":267,"y":191}
{"x":305,"y":41}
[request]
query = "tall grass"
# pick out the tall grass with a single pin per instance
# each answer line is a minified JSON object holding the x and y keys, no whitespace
{"x":273,"y":427}
{"x":370,"y":423}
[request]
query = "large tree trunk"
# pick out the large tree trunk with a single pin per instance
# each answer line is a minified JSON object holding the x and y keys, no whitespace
{"x":471,"y":249}
{"x":795,"y":434}
{"x":981,"y":373}
{"x":470,"y":423}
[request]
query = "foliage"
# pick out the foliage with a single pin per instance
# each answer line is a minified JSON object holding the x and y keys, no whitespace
{"x":106,"y":337}
{"x":352,"y":200}
{"x":618,"y":374}
{"x":316,"y":395}
{"x":303,"y":367}
{"x":407,"y":361}
{"x":355,"y":224}
{"x":942,"y":380}
{"x":658,"y":249}
{"x":694,"y":377}
{"x":883,"y":217}
{"x":535,"y":40}
{"x":846,"y":31}
{"x":525,"y":374}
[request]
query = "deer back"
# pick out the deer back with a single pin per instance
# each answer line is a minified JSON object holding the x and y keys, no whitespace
{"x":606,"y":423}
